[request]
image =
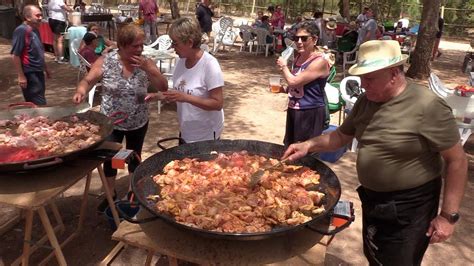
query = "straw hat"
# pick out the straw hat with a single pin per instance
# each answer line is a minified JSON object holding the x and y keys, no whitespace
{"x":332,"y":25}
{"x":377,"y":55}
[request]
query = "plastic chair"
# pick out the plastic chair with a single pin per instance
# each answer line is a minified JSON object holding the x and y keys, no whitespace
{"x":163,"y":41}
{"x":164,"y":44}
{"x":334,"y":102}
{"x":247,"y":37}
{"x":240,"y":22}
{"x":460,"y":105}
{"x":204,"y":47}
{"x":346,"y":43}
{"x":437,"y":86}
{"x":349,"y":58}
{"x":74,"y":47}
{"x":332,"y":74}
{"x":220,"y":28}
{"x":349,"y":100}
{"x":262,"y":40}
{"x":83,"y":65}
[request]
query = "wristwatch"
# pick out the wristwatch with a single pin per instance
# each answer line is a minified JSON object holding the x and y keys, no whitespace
{"x":451,"y":217}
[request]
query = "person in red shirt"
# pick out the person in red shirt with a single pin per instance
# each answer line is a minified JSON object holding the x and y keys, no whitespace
{"x":88,"y":51}
{"x":148,"y":10}
{"x":278,"y":18}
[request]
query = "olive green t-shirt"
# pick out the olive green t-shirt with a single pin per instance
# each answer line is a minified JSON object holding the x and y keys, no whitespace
{"x":400,"y":140}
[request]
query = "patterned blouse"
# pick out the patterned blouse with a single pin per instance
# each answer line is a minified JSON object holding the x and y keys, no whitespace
{"x":120,"y":94}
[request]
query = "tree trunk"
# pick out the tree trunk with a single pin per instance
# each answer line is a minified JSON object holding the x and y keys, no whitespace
{"x":174,"y":9}
{"x":376,"y":9}
{"x":420,"y":61}
{"x":346,"y":10}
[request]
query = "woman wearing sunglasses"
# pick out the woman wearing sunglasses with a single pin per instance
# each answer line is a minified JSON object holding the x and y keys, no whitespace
{"x":306,"y":115}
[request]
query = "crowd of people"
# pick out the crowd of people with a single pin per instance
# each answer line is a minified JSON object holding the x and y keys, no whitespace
{"x":403,"y":129}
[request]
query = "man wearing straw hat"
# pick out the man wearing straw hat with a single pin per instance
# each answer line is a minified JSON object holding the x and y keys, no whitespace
{"x":405,"y":132}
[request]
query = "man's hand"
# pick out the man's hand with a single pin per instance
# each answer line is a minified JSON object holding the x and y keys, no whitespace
{"x":22,"y":81}
{"x":440,"y":230}
{"x":296,"y":151}
{"x":48,"y":73}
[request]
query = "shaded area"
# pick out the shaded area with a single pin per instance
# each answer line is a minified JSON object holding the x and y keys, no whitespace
{"x":251,"y":112}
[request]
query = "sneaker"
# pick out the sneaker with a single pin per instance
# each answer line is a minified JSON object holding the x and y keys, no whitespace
{"x":62,"y":62}
{"x":439,"y":54}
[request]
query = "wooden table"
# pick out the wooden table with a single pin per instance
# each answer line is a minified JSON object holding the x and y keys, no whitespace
{"x":302,"y":248}
{"x":32,"y":191}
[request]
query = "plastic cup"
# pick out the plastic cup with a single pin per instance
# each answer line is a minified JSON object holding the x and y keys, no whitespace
{"x":275,"y":84}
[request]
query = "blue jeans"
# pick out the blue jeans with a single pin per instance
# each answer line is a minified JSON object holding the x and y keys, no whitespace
{"x":149,"y":27}
{"x":35,"y":88}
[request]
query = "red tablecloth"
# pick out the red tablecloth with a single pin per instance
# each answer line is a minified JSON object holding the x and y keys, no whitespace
{"x":47,"y":36}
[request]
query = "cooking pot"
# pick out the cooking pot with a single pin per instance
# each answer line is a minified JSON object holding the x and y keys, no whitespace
{"x":143,"y":185}
{"x":55,"y":113}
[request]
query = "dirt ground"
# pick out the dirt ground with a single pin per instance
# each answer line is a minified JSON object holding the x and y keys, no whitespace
{"x":251,"y":112}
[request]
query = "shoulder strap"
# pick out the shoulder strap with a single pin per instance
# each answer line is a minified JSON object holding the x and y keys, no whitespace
{"x":24,"y":54}
{"x":310,"y":59}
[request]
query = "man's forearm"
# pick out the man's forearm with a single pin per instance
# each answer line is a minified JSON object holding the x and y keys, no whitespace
{"x":18,"y":67}
{"x":328,"y":142}
{"x":455,"y":182}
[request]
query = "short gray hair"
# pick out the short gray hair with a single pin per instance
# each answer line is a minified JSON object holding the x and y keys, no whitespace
{"x":28,"y":11}
{"x":187,"y":29}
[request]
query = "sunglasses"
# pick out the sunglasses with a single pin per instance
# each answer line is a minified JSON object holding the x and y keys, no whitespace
{"x":303,"y":38}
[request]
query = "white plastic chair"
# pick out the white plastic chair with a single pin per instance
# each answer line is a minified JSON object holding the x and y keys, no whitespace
{"x":349,"y":58}
{"x":220,"y":30}
{"x":240,"y":22}
{"x":247,"y":38}
{"x":262,"y":40}
{"x":74,"y":47}
{"x":350,"y":101}
{"x":460,"y":105}
{"x":163,"y":42}
{"x":204,"y":47}
{"x":437,"y":86}
{"x":83,"y":65}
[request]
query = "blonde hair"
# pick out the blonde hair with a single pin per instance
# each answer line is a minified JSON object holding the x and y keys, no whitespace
{"x":187,"y":29}
{"x":128,"y":34}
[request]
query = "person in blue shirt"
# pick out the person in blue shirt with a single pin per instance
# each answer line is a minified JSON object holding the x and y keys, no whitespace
{"x":28,"y":56}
